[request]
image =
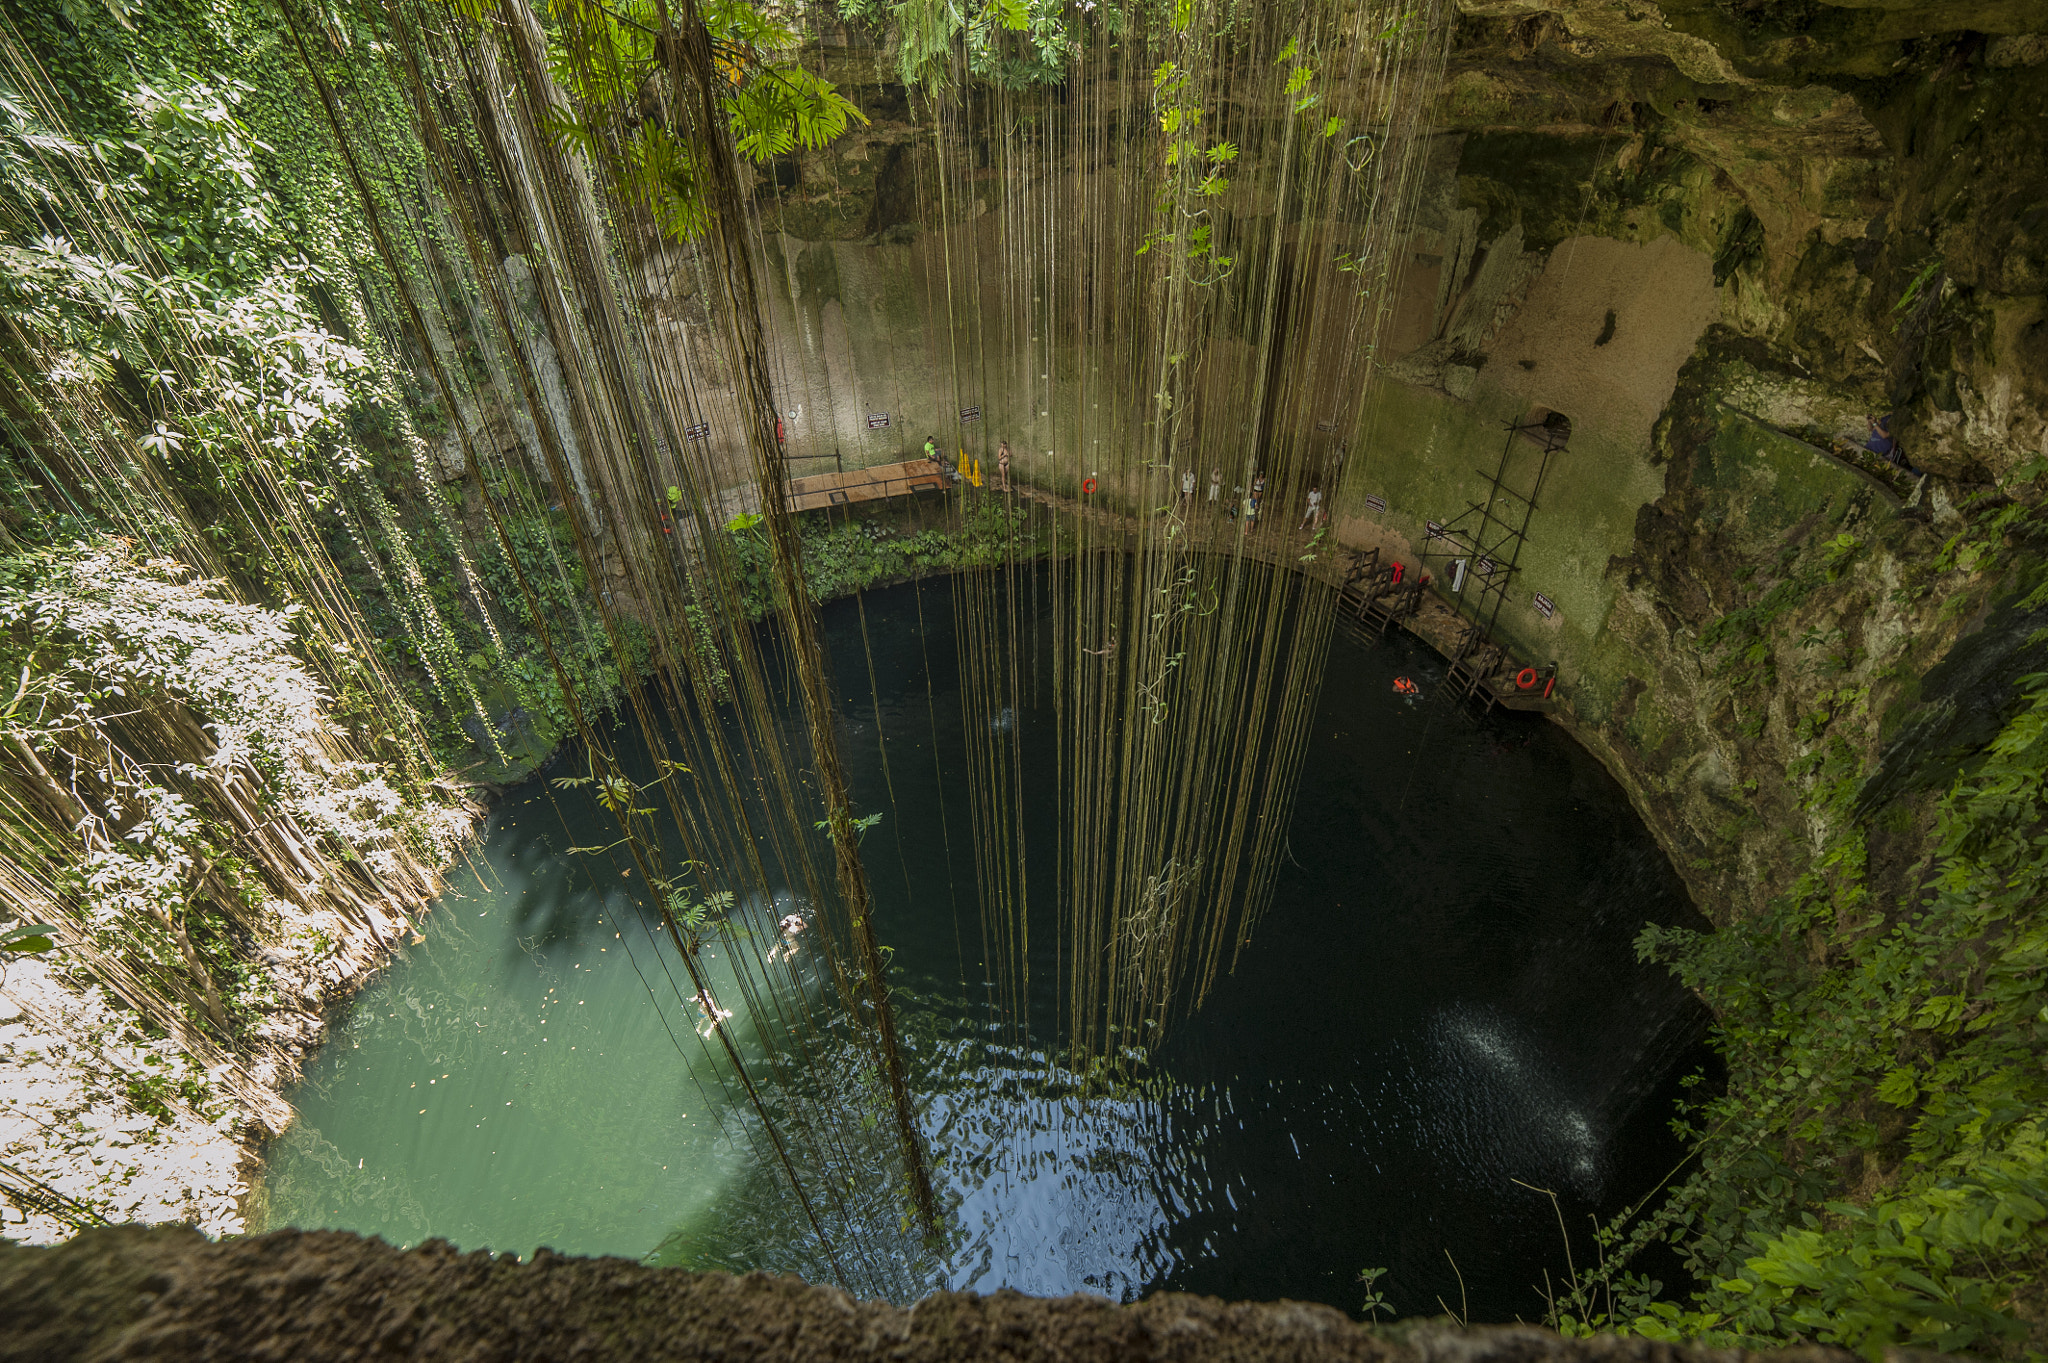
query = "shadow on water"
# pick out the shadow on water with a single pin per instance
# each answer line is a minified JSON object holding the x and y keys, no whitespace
{"x":1442,"y":1005}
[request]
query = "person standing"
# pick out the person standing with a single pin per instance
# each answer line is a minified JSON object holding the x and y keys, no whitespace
{"x":1003,"y":465}
{"x":1315,"y":508}
{"x":1187,"y":489}
{"x":1215,"y":487}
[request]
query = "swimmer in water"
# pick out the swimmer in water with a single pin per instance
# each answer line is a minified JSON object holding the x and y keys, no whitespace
{"x":711,"y":1012}
{"x":792,"y":927}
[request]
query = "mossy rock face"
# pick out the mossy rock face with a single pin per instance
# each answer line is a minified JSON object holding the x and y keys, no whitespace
{"x":1543,"y":181}
{"x":1942,"y":718}
{"x":517,"y":742}
{"x":1820,"y":39}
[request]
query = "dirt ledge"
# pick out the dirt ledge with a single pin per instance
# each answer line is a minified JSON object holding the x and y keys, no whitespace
{"x":136,"y":1292}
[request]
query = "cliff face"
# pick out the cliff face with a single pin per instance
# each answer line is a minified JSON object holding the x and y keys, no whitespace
{"x":1718,"y":238}
{"x":1859,"y":185}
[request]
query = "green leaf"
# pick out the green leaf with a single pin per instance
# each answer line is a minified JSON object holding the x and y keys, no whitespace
{"x":30,"y":938}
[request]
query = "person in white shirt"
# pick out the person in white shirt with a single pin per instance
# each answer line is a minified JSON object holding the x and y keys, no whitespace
{"x":1315,"y":507}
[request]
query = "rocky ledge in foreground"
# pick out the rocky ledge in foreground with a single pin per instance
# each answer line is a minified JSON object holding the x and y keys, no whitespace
{"x":168,"y":1293}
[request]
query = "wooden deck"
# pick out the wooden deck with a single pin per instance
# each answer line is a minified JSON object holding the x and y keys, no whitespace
{"x":875,"y":484}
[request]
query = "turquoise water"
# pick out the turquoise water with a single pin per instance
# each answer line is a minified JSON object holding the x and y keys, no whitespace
{"x":512,"y":1081}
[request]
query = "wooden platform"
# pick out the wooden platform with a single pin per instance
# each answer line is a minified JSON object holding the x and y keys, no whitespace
{"x":874,"y":484}
{"x":1509,"y":698}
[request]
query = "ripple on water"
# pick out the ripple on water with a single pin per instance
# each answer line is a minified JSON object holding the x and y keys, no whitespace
{"x":1441,"y":1007}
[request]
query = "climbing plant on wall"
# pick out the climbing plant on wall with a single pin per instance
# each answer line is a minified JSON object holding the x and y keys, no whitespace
{"x":1875,"y":1173}
{"x":627,"y":113}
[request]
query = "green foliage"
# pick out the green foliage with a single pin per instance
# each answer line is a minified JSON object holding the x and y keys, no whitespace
{"x":189,"y":276}
{"x":1194,"y":172}
{"x":1837,"y":553}
{"x":27,"y":939}
{"x":563,"y":590}
{"x":1047,"y":39}
{"x":607,"y":57}
{"x":1010,"y":44}
{"x":1375,"y":1300}
{"x":1914,"y":289}
{"x":857,"y":828}
{"x":710,"y":656}
{"x":1746,"y":637}
{"x":1876,"y":1172}
{"x":844,"y":559}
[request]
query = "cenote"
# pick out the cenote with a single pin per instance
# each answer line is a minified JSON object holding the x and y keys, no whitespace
{"x":1441,"y":1015}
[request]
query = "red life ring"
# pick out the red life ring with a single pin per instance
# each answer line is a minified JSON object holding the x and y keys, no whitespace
{"x":1525,"y":680}
{"x":1087,"y":485}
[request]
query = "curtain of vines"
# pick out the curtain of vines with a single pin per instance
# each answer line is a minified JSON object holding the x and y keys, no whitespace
{"x":1198,"y":214}
{"x":160,"y":424}
{"x":1188,"y":273}
{"x":539,"y":216}
{"x":1185,"y":278}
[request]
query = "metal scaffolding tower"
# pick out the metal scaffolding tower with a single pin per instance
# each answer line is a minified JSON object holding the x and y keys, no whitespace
{"x":1480,"y":549}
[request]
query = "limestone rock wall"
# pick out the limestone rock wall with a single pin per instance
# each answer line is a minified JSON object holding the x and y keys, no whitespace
{"x":1716,"y":235}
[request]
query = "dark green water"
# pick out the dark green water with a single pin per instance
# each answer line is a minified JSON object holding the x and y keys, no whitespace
{"x":1443,"y":1000}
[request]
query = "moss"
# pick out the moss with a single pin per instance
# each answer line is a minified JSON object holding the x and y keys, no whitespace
{"x":1548,"y":178}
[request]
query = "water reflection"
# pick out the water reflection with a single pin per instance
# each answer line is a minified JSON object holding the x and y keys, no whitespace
{"x":1442,"y":1007}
